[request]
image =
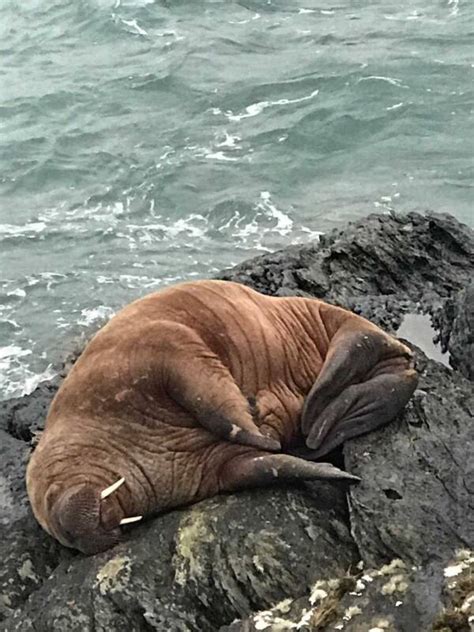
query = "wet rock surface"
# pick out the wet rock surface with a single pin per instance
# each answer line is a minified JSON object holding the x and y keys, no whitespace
{"x":291,"y":554}
{"x":456,"y":324}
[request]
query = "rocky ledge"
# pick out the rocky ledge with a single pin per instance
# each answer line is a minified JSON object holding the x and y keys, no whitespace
{"x":393,"y":553}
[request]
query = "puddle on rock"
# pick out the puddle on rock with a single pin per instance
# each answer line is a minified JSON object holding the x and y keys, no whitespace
{"x":417,"y":329}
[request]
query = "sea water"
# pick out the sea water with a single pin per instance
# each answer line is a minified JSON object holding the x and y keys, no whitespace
{"x":146,"y":142}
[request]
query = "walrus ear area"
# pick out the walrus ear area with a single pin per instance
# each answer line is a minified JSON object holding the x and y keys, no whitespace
{"x":366,"y":380}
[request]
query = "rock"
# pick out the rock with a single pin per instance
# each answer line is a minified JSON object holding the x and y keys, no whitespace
{"x":276,"y":551}
{"x":23,"y":417}
{"x":222,"y":558}
{"x":420,"y":467}
{"x":392,"y":597}
{"x":403,"y":256}
{"x":14,"y":456}
{"x":456,"y":323}
{"x":28,"y":557}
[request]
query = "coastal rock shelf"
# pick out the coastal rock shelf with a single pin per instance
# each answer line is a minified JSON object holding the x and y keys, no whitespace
{"x":392,"y":553}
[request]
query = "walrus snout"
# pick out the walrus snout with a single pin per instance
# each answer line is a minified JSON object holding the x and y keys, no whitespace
{"x":80,"y":520}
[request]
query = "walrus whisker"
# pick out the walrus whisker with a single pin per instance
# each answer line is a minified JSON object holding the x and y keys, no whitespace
{"x":131,"y":519}
{"x":110,"y":490}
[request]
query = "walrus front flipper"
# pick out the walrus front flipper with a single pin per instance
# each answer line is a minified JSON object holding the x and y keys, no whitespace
{"x":199,"y":382}
{"x":361,"y":408}
{"x":247,"y":470}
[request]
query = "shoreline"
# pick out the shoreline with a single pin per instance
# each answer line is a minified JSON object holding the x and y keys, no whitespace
{"x":412,"y":504}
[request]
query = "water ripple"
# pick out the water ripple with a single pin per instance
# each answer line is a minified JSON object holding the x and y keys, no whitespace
{"x":145,"y":142}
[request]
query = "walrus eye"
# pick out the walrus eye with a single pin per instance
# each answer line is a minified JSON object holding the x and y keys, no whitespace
{"x":110,"y":490}
{"x":131,"y":519}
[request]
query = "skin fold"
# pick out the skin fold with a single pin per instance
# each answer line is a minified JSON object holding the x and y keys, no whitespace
{"x":202,"y":388}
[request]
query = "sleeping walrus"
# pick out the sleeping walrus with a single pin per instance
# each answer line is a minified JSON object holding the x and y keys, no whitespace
{"x":194,"y":390}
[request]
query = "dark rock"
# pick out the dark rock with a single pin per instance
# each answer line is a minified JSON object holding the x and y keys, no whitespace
{"x":416,"y":498}
{"x":14,"y":456}
{"x":393,"y":597}
{"x":28,"y":558}
{"x":201,"y":568}
{"x":197,"y":569}
{"x":461,"y":344}
{"x":23,"y":417}
{"x":403,"y":256}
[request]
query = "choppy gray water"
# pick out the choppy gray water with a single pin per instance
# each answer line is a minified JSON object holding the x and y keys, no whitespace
{"x":147,"y":142}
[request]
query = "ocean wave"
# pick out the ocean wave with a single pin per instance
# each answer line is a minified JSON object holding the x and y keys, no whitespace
{"x":93,"y":315}
{"x":28,"y":230}
{"x":150,"y":142}
{"x":16,"y":378}
{"x":254,"y":109}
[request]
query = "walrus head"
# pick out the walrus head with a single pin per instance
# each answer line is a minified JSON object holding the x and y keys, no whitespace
{"x":81,"y":517}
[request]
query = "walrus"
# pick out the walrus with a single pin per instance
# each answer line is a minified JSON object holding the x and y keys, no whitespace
{"x":201,"y":388}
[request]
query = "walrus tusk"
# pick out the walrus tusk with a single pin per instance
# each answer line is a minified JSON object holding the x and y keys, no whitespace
{"x":110,"y":490}
{"x":132,"y":519}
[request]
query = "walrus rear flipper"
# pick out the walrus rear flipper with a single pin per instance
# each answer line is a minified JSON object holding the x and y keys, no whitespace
{"x":365,"y":382}
{"x":247,"y":470}
{"x":199,"y":382}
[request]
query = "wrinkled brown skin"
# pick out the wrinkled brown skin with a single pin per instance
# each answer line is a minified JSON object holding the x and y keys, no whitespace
{"x":190,"y":391}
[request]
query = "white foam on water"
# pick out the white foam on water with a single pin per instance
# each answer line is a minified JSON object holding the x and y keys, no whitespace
{"x":257,"y":108}
{"x":170,"y":33}
{"x":89,"y":316}
{"x":13,"y":324}
{"x":284,"y":224}
{"x":13,"y":384}
{"x":214,"y":151}
{"x":454,"y":4}
{"x":265,"y":229}
{"x":17,"y":292}
{"x":29,"y":229}
{"x":304,"y":11}
{"x":132,"y":3}
{"x":16,"y":378}
{"x":395,"y":106}
{"x":13,"y":351}
{"x":262,"y":227}
{"x":219,"y":155}
{"x":34,"y":379}
{"x":135,"y":281}
{"x":165,"y":230}
{"x":414,"y":15}
{"x":103,"y":280}
{"x":230,"y":140}
{"x":256,"y":16}
{"x":71,"y":222}
{"x":390,"y":80}
{"x":312,"y":235}
{"x":133,"y":24}
{"x":194,"y":226}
